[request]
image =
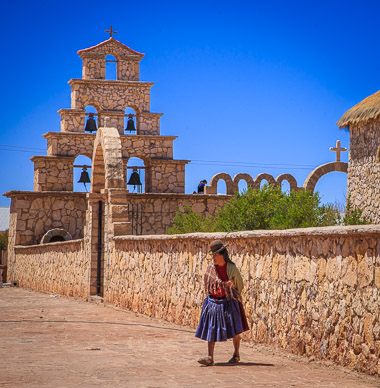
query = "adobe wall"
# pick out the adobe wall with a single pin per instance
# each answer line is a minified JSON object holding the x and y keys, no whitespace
{"x":310,"y":291}
{"x":61,"y":268}
{"x":364,"y":169}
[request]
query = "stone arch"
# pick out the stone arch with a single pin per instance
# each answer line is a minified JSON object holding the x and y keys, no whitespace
{"x":107,"y":161}
{"x":317,"y":173}
{"x":212,"y":188}
{"x":55,"y":235}
{"x":287,"y":177}
{"x":110,"y":68}
{"x":261,"y":177}
{"x":236,"y":179}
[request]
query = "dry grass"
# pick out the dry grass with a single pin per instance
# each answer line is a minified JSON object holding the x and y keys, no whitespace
{"x":368,"y":109}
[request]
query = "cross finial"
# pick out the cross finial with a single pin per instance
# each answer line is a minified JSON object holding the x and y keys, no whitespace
{"x":111,"y":32}
{"x":338,"y":150}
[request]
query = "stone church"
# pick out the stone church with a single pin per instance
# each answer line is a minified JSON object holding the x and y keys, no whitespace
{"x":53,"y":212}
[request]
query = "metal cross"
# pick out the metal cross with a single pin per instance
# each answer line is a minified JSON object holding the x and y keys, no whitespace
{"x":338,"y":150}
{"x":111,"y":32}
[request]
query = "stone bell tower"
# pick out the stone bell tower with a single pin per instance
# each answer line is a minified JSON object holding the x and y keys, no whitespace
{"x":363,"y":122}
{"x":110,"y":98}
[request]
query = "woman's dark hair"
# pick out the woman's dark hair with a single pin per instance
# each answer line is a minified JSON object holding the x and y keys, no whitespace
{"x":224,"y":253}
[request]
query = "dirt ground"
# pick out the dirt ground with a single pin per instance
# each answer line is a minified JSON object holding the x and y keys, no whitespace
{"x":52,"y":341}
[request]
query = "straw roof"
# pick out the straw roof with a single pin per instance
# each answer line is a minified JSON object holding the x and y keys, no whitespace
{"x":368,"y":109}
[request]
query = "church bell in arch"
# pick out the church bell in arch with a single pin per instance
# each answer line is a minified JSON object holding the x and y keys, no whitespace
{"x":134,"y":179}
{"x":130,"y":124}
{"x":91,"y":124}
{"x":84,"y":177}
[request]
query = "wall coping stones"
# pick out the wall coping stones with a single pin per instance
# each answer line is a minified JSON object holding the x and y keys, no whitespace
{"x":47,"y":246}
{"x":76,"y":135}
{"x":17,"y":193}
{"x":51,"y":157}
{"x":321,"y":231}
{"x":87,"y":82}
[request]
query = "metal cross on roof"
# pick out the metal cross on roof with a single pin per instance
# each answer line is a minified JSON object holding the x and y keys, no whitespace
{"x":338,"y":150}
{"x":111,"y":32}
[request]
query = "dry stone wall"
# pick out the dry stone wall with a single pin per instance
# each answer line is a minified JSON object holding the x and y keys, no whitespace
{"x":364,"y":169}
{"x":61,"y":268}
{"x":311,"y":291}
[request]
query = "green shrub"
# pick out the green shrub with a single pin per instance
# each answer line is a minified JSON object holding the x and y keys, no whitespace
{"x":354,"y":216}
{"x":268,"y":208}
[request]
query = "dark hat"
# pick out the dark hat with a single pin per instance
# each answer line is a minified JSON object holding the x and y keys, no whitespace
{"x":217,"y":246}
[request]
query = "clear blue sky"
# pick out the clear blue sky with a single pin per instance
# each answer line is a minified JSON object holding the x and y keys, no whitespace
{"x":260,"y":83}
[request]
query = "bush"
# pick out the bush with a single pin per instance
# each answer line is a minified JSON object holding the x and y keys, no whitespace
{"x":267,"y":208}
{"x":187,"y":221}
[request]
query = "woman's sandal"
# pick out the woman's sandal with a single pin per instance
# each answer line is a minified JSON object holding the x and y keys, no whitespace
{"x":234,"y":360}
{"x":206,"y":361}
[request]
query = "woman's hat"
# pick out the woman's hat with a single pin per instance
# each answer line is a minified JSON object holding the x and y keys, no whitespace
{"x":217,"y":246}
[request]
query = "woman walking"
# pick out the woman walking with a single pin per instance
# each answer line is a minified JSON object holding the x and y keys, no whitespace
{"x":222,"y":314}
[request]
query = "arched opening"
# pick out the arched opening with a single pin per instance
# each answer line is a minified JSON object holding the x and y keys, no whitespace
{"x":55,"y":235}
{"x":243,"y":186}
{"x":130,"y":121}
{"x":111,"y":67}
{"x":91,"y":122}
{"x":332,"y":188}
{"x":221,"y":187}
{"x":285,"y":186}
{"x":136,"y":175}
{"x":82,"y":173}
{"x":263,"y":183}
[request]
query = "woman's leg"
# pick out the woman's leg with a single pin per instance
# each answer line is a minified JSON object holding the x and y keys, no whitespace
{"x":236,"y":342}
{"x":211,"y":347}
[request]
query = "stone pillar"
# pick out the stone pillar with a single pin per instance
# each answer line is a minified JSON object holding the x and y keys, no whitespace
{"x":148,"y":123}
{"x":72,"y":120}
{"x":95,"y":241}
{"x":116,"y":119}
{"x":53,"y":173}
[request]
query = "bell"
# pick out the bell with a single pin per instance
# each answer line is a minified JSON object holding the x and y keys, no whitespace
{"x":130,"y":125}
{"x":91,"y":124}
{"x":84,"y":177}
{"x":134,"y":179}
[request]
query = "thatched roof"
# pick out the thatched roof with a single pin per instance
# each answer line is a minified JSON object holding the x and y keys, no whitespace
{"x":368,"y":109}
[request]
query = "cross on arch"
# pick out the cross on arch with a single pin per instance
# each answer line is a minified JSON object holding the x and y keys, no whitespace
{"x":338,"y":149}
{"x":111,"y":32}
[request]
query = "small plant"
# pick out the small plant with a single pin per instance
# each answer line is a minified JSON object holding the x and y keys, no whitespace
{"x":354,"y":216}
{"x":187,"y":221}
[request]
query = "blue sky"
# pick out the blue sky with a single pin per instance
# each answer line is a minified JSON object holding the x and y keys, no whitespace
{"x":247,"y":86}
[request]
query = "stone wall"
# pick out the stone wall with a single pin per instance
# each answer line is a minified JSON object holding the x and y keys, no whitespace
{"x":310,"y":291}
{"x":109,"y":95}
{"x":53,"y":173}
{"x":364,"y":169}
{"x":154,"y":213}
{"x":72,"y":145}
{"x":61,"y":268}
{"x":34,"y":214}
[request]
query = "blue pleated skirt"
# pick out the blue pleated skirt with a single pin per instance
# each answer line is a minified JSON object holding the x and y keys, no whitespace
{"x":220,"y":320}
